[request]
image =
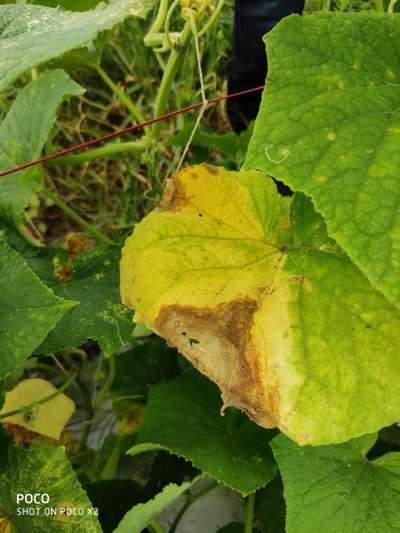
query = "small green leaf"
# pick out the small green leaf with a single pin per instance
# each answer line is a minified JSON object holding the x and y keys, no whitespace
{"x":183,"y":416}
{"x":48,"y":418}
{"x":142,"y":514}
{"x":337,"y":489}
{"x":94,"y":285}
{"x":28,"y":311}
{"x":45,"y":471}
{"x":26,"y":31}
{"x":329,"y":126}
{"x":23,"y":134}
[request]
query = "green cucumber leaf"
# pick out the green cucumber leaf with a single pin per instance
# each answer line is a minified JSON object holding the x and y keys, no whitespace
{"x":23,"y":134}
{"x":93,"y":283}
{"x":45,"y":471}
{"x":28,"y":311}
{"x":142,"y":514}
{"x":266,"y":305}
{"x":329,"y":126}
{"x":27,"y":30}
{"x":337,"y":489}
{"x":183,"y":417}
{"x":138,"y":367}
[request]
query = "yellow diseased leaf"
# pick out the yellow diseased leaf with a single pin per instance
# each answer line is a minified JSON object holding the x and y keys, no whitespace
{"x":197,"y":272}
{"x":48,"y":418}
{"x":266,"y":305}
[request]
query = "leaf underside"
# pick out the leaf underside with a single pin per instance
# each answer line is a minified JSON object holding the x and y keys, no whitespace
{"x":27,"y":30}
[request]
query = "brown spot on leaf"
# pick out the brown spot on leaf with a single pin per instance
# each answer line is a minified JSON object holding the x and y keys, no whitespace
{"x":212,"y":170}
{"x":174,"y":196}
{"x":65,"y":510}
{"x":302,"y":279}
{"x":225,"y":352}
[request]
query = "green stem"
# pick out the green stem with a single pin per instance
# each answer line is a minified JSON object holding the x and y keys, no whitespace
{"x":160,"y":18}
{"x":46,"y":399}
{"x":248,"y":527}
{"x":89,"y":414}
{"x":189,"y":501}
{"x":168,"y":77}
{"x":391,"y":6}
{"x":170,"y":12}
{"x":379,"y":6}
{"x":109,"y":381}
{"x":72,"y":214}
{"x":212,"y":19}
{"x":108,"y":150}
{"x":120,"y":94}
{"x":155,"y":527}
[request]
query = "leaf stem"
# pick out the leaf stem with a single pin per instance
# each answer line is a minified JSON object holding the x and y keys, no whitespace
{"x":248,"y":527}
{"x":212,"y":19}
{"x":391,"y":6}
{"x":134,"y":111}
{"x":89,"y":414}
{"x":160,"y":18}
{"x":108,"y":150}
{"x":72,"y":214}
{"x":189,"y":500}
{"x":168,"y":77}
{"x":46,"y":399}
{"x":109,"y":381}
{"x":155,"y":527}
{"x":379,"y":6}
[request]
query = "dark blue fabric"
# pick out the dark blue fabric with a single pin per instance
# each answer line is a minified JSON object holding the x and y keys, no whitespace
{"x":253,"y":19}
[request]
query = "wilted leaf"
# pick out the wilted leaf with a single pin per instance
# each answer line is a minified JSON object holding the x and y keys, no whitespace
{"x":23,"y":134}
{"x":26,"y":31}
{"x":329,"y":126}
{"x":277,"y":316}
{"x":28,"y":311}
{"x":45,"y":471}
{"x":183,"y":417}
{"x":47,"y":418}
{"x":336,"y":489}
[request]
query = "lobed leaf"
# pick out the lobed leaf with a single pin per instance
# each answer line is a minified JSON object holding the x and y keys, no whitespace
{"x":183,"y":417}
{"x":28,"y":311}
{"x":45,"y":470}
{"x":93,"y":284}
{"x":337,"y":488}
{"x":266,"y":305}
{"x":27,"y":30}
{"x":329,"y":126}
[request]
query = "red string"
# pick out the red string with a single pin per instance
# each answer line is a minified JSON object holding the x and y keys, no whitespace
{"x":118,"y":133}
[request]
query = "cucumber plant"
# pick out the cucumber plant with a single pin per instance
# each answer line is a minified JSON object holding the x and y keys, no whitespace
{"x":278,"y":377}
